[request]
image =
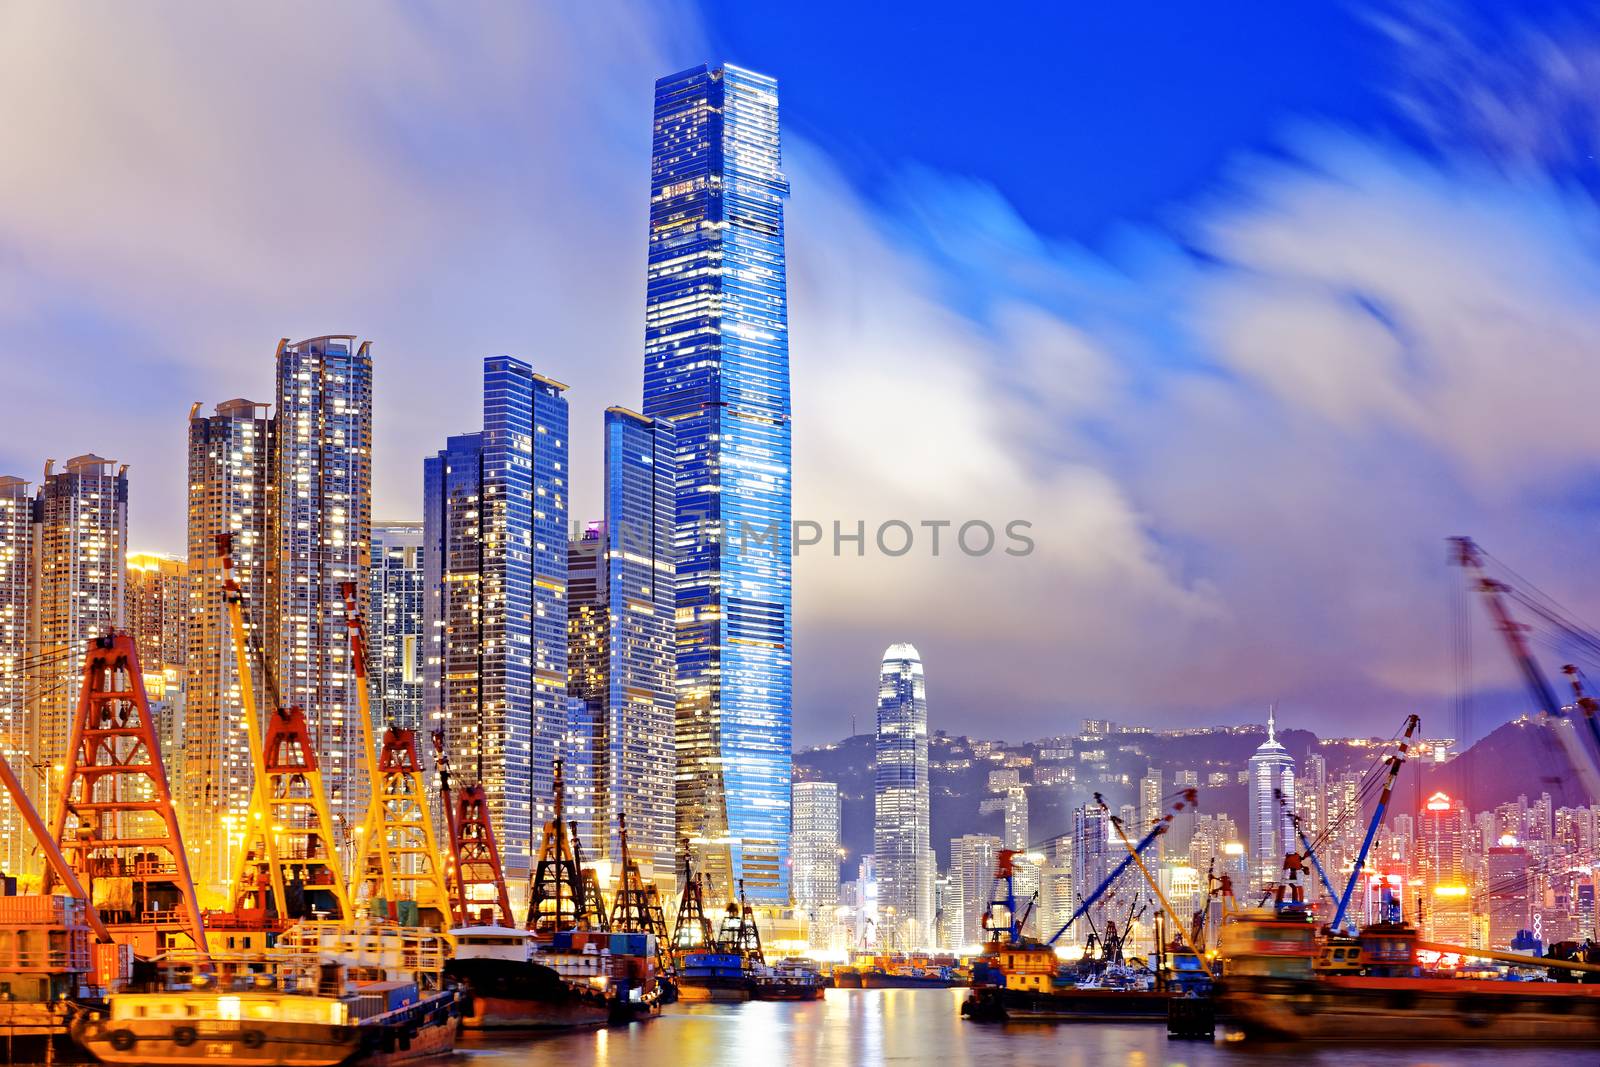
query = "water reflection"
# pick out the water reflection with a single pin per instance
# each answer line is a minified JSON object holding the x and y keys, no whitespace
{"x":917,"y":1026}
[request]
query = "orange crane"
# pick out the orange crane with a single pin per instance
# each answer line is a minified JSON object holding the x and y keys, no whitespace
{"x":399,"y":854}
{"x":479,"y":882}
{"x":123,"y":838}
{"x":288,"y":868}
{"x":52,"y":852}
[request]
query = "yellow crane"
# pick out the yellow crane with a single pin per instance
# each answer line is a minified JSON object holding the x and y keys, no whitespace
{"x":399,"y":856}
{"x":288,"y":868}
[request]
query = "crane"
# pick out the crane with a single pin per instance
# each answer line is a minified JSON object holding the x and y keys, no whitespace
{"x":1154,"y":886}
{"x":1396,"y":760}
{"x":1305,"y":843}
{"x":1469,"y":557}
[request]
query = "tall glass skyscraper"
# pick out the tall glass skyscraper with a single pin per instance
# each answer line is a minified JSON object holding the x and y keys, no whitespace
{"x":622,"y":640}
{"x":900,"y":834}
{"x":396,"y":624}
{"x":495,"y":568}
{"x":717,"y":369}
{"x":1271,"y":830}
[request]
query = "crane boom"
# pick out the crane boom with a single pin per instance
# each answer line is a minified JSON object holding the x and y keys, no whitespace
{"x":1305,"y":843}
{"x":1085,"y":903}
{"x":1156,"y":888}
{"x":1396,"y":760}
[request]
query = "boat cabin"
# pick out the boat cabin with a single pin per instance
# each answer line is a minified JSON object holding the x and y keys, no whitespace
{"x":1270,"y":943}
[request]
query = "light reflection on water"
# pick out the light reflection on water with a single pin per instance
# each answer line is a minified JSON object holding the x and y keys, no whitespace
{"x":917,"y":1026}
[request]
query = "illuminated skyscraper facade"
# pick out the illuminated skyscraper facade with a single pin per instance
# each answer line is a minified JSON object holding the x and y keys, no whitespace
{"x":396,"y":624}
{"x":1271,"y":830}
{"x":900,"y":834}
{"x":320,"y":532}
{"x":229,"y":493}
{"x":80,"y":566}
{"x":156,"y":609}
{"x":717,"y":370}
{"x":16,"y":598}
{"x":816,"y":857}
{"x":622,"y":639}
{"x":495,"y":569}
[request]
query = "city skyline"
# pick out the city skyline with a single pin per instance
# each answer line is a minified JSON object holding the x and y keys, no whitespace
{"x":1024,"y":335}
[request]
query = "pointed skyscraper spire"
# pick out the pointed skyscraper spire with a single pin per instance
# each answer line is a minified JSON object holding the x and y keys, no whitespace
{"x":1272,"y":721}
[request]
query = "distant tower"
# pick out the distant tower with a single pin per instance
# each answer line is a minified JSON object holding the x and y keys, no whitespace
{"x":1271,"y":770}
{"x":900,"y":837}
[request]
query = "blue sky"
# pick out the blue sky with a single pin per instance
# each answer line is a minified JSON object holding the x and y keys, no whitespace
{"x":1245,"y":312}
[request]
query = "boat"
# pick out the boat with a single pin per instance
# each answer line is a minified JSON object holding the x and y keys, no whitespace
{"x":1272,"y":989}
{"x":845,"y":976}
{"x":578,"y":982}
{"x":721,"y":967}
{"x":793,"y":978}
{"x":899,"y":971}
{"x":330,"y":993}
{"x":714,"y":975}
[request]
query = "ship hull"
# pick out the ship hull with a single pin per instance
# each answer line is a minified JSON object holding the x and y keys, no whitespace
{"x":1068,"y":1005}
{"x":713,"y":990}
{"x":159,"y":1043}
{"x":1386,"y":1010}
{"x":762,"y":991}
{"x":880,"y":980}
{"x":850,"y":980}
{"x":508,"y":995}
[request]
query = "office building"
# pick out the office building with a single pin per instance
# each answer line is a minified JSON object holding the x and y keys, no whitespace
{"x":1271,"y":773}
{"x":717,"y":369}
{"x":901,"y":811}
{"x":622,"y":640}
{"x":815,"y":847}
{"x":495,"y":559}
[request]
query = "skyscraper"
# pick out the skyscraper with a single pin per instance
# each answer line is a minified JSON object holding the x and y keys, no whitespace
{"x":229,"y":493}
{"x":156,"y":609}
{"x":16,"y":598}
{"x":396,"y":624}
{"x":900,"y":833}
{"x":622,"y":640}
{"x":1091,"y":852}
{"x":972,"y":864}
{"x":1441,"y":870}
{"x":1271,"y":772}
{"x":717,"y":369}
{"x":816,"y":857}
{"x":495,"y":567}
{"x":320,"y":532}
{"x":80,"y":567}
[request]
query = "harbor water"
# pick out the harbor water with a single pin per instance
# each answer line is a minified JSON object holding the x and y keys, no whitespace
{"x":923,"y":1026}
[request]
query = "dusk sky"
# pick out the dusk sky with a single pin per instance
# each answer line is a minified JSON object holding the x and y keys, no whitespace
{"x":1245,"y":307}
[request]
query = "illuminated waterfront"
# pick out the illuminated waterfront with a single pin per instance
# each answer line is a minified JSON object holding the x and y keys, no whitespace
{"x":918,"y":1026}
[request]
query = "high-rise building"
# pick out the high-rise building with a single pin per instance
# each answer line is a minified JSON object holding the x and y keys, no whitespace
{"x":229,"y":493}
{"x":1271,"y":831}
{"x":1015,"y":834}
{"x":320,"y":532}
{"x":156,"y":610}
{"x":815,"y":847}
{"x":717,"y":369}
{"x":1151,"y":809}
{"x":80,"y":571}
{"x":621,"y":640}
{"x":495,"y":559}
{"x":1091,"y":852}
{"x":1440,"y":870}
{"x":900,"y":833}
{"x":16,"y":599}
{"x":1507,"y":885}
{"x":972,"y":866}
{"x":578,"y":752}
{"x":395,"y":626}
